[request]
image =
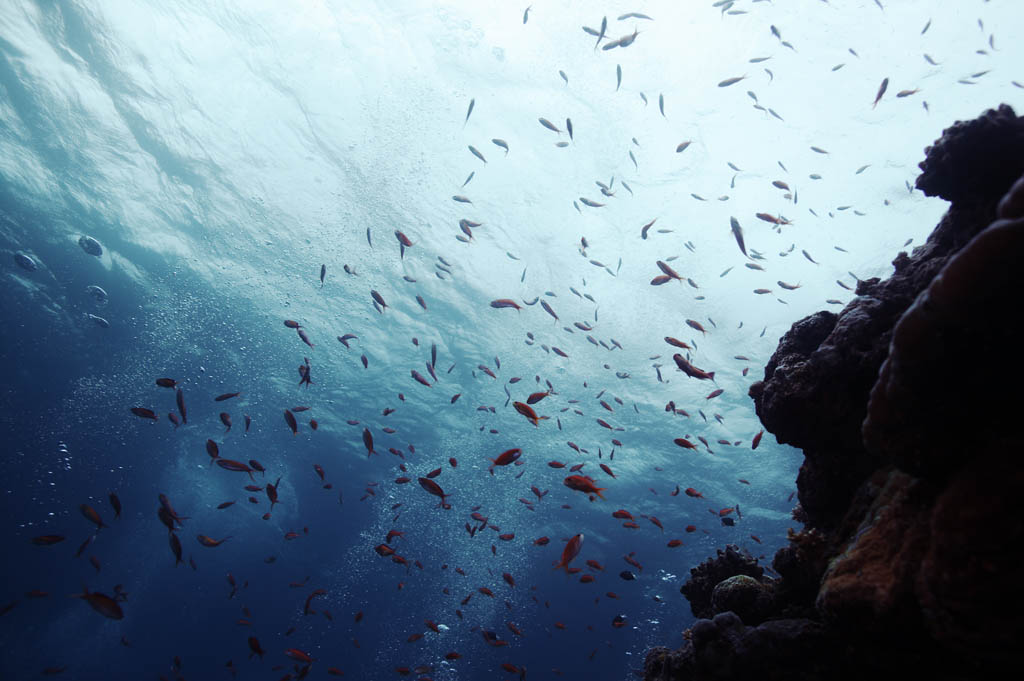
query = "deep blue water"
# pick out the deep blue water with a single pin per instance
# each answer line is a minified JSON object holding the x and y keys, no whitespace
{"x":222,"y":154}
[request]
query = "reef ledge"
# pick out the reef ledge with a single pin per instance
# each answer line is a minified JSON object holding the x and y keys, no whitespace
{"x":907,"y":565}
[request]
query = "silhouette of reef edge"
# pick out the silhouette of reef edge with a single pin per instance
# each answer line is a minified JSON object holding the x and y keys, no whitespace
{"x":908,"y":562}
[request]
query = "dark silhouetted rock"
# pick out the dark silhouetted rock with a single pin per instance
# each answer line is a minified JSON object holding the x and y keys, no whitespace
{"x":909,"y":563}
{"x":706,"y":576}
{"x":975,"y":160}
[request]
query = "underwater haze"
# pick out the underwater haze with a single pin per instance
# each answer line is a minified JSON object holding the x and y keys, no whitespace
{"x":427,"y":242}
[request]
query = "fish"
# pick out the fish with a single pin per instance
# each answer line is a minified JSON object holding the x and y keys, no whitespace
{"x":881,"y":91}
{"x":501,"y":143}
{"x":568,"y":127}
{"x":179,"y":397}
{"x":526,"y":14}
{"x":690,"y":370}
{"x":472,"y":103}
{"x":143,"y":412}
{"x":564,"y":77}
{"x":549,"y":125}
{"x":323,"y":273}
{"x":505,"y":302}
{"x":583,"y":483}
{"x":476,"y":152}
{"x":600,"y":35}
{"x":737,"y":232}
{"x":101,"y":603}
{"x":661,"y":104}
{"x":618,"y":76}
{"x":682,"y":146}
{"x":730,"y":81}
{"x":569,"y":553}
{"x":505,"y":458}
{"x":433,"y":488}
{"x":209,"y":542}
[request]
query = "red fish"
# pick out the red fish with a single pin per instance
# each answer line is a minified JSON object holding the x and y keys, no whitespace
{"x":180,"y":398}
{"x":505,"y":458}
{"x":210,"y":543}
{"x":368,"y":441}
{"x":714,"y":393}
{"x":622,"y":514}
{"x":676,"y":342}
{"x":235,"y":466}
{"x":272,"y":492}
{"x":305,"y":338}
{"x":505,"y":302}
{"x":696,"y":326}
{"x":684,"y":443}
{"x":527,"y":411}
{"x":541,"y":541}
{"x":692,"y":371}
{"x":166,"y":382}
{"x":213,"y":450}
{"x":537,"y":397}
{"x":583,"y":483}
{"x":47,"y":539}
{"x":292,"y":324}
{"x":569,"y":553}
{"x":299,"y":655}
{"x":145,"y":413}
{"x":419,"y":378}
{"x":757,"y":439}
{"x":403,"y":243}
{"x":379,"y":299}
{"x":254,"y":646}
{"x":606,"y":469}
{"x":691,"y":492}
{"x":225,"y":396}
{"x":225,"y":418}
{"x":669,"y":272}
{"x":101,"y":603}
{"x":435,"y":489}
{"x":92,"y":516}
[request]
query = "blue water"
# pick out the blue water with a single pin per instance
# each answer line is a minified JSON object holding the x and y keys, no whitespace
{"x":222,"y":154}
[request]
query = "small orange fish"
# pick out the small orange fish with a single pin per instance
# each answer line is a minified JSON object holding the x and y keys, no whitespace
{"x":527,"y":411}
{"x":505,"y":458}
{"x":583,"y":483}
{"x":101,"y":603}
{"x":569,"y":553}
{"x":210,"y":543}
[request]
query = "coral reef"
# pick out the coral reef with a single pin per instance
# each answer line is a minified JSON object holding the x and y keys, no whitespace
{"x":908,"y":563}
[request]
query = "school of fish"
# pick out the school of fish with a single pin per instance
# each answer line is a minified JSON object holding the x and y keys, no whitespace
{"x":591,"y":427}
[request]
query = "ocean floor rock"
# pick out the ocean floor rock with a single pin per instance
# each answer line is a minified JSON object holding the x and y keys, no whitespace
{"x":908,"y":564}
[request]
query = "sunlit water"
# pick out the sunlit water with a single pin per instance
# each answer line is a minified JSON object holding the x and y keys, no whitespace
{"x":221,"y":153}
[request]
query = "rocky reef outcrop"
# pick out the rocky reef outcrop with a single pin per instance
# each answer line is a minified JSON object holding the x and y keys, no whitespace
{"x":905,"y":405}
